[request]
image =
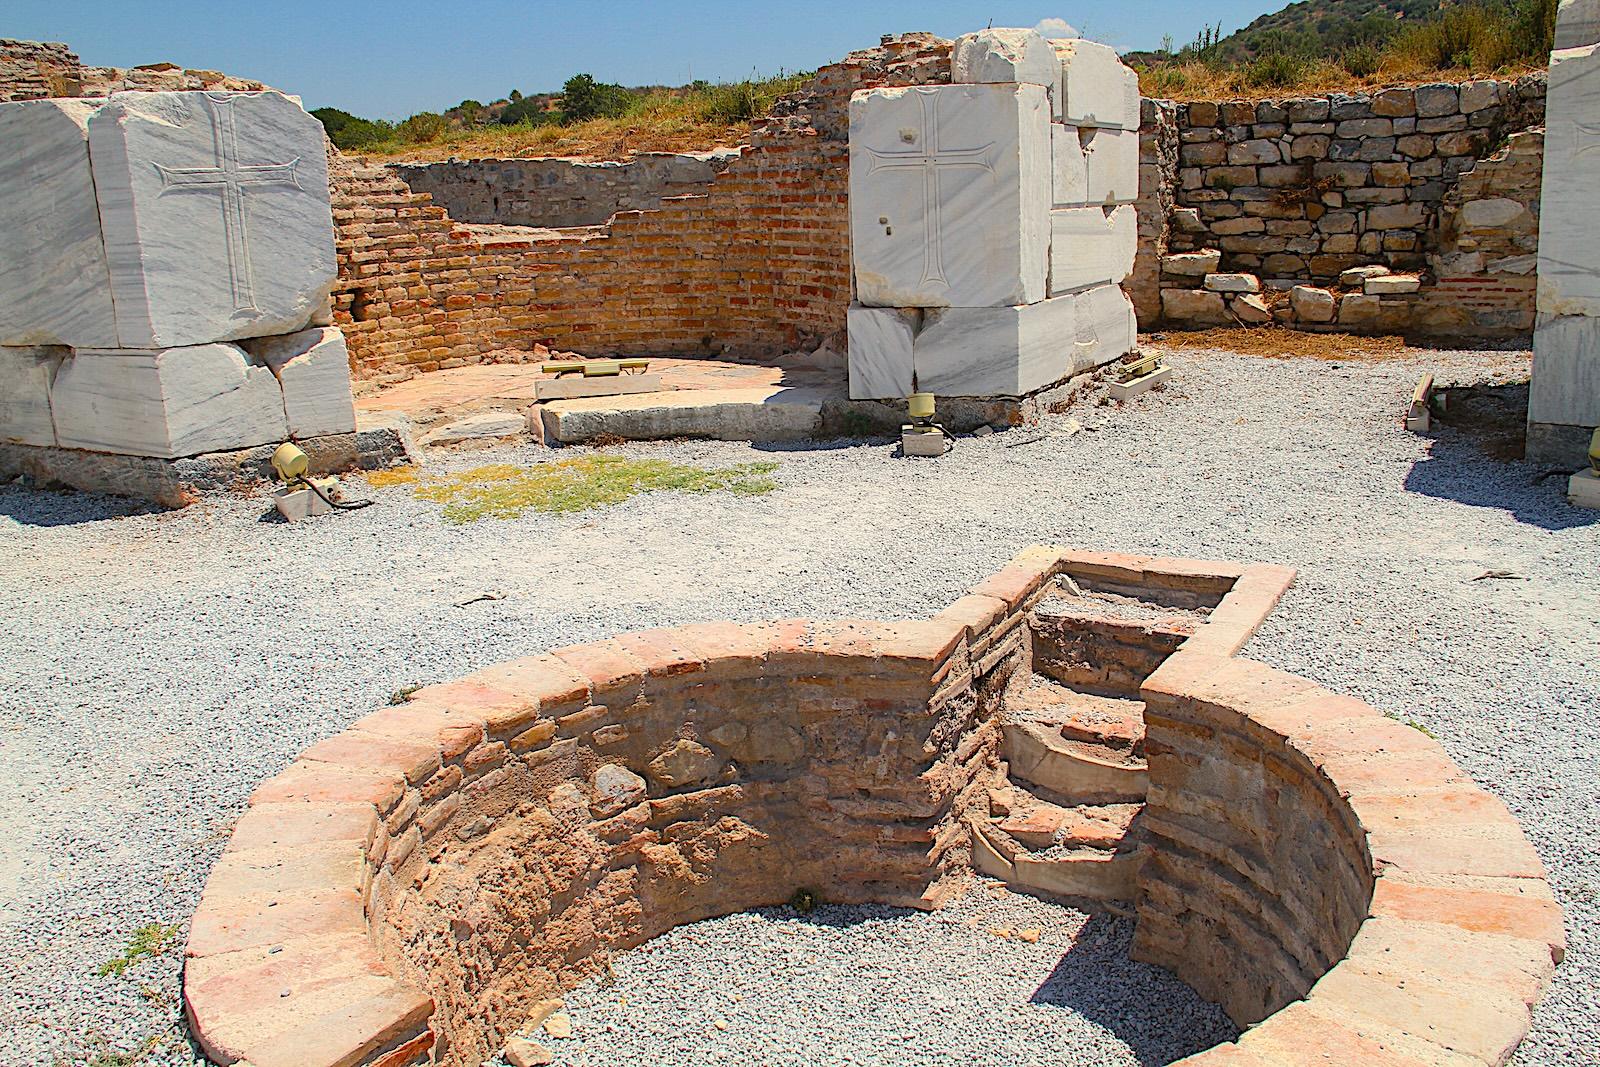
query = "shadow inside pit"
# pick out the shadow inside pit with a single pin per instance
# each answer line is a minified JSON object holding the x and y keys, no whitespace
{"x":1099,"y":981}
{"x":1476,"y":459}
{"x":66,"y":507}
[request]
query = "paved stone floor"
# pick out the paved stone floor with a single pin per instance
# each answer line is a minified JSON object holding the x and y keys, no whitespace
{"x":157,"y":666}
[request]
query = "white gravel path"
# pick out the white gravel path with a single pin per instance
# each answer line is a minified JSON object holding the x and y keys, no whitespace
{"x":156,"y":667}
{"x":846,"y":986}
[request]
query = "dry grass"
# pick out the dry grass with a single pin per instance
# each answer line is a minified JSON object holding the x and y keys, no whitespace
{"x":1279,"y":343}
{"x":1186,"y":82}
{"x":595,"y":139}
{"x":504,"y":491}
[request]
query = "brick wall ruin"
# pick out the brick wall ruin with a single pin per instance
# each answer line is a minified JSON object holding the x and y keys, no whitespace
{"x":1441,"y":180}
{"x":557,"y":191}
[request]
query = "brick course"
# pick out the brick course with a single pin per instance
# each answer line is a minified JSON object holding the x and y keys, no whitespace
{"x":406,"y":891}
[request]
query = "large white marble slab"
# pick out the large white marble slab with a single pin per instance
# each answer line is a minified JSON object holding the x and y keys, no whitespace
{"x":1565,"y":387}
{"x":950,"y":190}
{"x":1000,"y":55}
{"x":313,"y":369}
{"x":214,"y":208}
{"x":880,"y":352}
{"x":1008,"y":351}
{"x":1569,"y":230}
{"x":1089,"y":246}
{"x":25,"y":377}
{"x":53,"y":282}
{"x":167,"y":403}
{"x":1069,"y":167}
{"x":1108,"y":328}
{"x":1111,"y":158}
{"x":1577,"y":23}
{"x":1093,"y":85}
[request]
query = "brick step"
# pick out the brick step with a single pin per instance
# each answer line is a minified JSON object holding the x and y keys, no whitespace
{"x":1071,"y":772}
{"x":1115,"y":723}
{"x":1039,"y":825}
{"x":1109,"y":875}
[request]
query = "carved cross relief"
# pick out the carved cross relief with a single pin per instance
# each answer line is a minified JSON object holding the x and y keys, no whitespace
{"x":231,"y":179}
{"x":927,"y":154}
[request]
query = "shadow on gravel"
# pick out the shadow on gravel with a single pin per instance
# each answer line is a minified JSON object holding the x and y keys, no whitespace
{"x":1099,"y":981}
{"x":1475,"y":459}
{"x":50,"y":507}
{"x":1458,"y":469}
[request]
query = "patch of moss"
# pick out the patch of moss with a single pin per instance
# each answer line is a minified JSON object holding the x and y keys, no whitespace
{"x":504,"y":491}
{"x":147,"y":942}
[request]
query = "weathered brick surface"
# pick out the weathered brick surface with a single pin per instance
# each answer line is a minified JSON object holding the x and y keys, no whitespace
{"x":416,"y":884}
{"x":757,"y":265}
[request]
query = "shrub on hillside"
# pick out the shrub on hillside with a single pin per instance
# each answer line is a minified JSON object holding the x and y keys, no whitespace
{"x":350,"y":133}
{"x":583,"y":98}
{"x":423,"y":127}
{"x":1477,"y":36}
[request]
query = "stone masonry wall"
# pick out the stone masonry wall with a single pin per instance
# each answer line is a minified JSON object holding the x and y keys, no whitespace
{"x":33,"y":70}
{"x":1300,"y":191}
{"x":757,"y":265}
{"x":561,"y":192}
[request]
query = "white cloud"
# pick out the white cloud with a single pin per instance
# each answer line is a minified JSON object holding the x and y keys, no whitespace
{"x":1048,"y":28}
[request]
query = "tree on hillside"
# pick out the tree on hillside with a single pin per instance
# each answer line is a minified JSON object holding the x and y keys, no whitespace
{"x":583,"y":98}
{"x":350,"y":132}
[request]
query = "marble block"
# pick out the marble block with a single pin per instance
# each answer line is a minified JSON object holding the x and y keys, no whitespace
{"x":880,"y":352}
{"x":1569,"y":271}
{"x":1093,"y":87}
{"x":214,"y":208}
{"x":1089,"y":247}
{"x":1107,"y":327}
{"x":313,"y":370}
{"x":950,"y":195}
{"x":1131,"y":97}
{"x":1565,"y":386}
{"x":53,"y":286}
{"x":1112,"y":161}
{"x":1069,"y":167}
{"x":25,"y":377}
{"x":1007,"y":56}
{"x":1577,"y":23}
{"x":1008,"y":351}
{"x":166,"y":403}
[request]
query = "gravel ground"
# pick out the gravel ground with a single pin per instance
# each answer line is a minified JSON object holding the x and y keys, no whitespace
{"x":878,"y":985}
{"x":158,"y":666}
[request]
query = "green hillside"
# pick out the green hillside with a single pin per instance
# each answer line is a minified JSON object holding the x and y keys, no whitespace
{"x":1327,"y":27}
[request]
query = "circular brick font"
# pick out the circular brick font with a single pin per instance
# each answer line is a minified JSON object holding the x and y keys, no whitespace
{"x":1078,"y":725}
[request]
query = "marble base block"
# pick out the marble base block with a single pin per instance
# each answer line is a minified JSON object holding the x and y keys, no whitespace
{"x":1069,"y":167}
{"x":1108,"y":328}
{"x":1565,"y":387}
{"x":25,"y":377}
{"x":166,"y":403}
{"x":1010,"y":351}
{"x":880,"y":352}
{"x":313,"y":369}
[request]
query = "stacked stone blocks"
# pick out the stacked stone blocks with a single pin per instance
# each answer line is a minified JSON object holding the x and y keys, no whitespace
{"x":990,"y":226}
{"x":167,"y":291}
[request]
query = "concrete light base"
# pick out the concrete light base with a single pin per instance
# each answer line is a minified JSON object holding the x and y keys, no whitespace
{"x":574,"y":386}
{"x":1121,"y":391}
{"x":915,"y":442}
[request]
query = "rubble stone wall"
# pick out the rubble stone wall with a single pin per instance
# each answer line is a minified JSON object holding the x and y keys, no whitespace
{"x":1439,"y":181}
{"x":558,"y":192}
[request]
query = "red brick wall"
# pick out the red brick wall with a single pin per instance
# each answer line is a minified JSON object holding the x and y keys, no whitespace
{"x":757,"y":266}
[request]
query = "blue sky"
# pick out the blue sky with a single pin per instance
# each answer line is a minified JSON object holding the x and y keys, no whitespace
{"x":393,"y":58}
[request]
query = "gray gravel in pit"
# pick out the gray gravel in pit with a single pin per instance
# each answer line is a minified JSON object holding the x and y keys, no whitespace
{"x":158,"y":666}
{"x":846,"y":986}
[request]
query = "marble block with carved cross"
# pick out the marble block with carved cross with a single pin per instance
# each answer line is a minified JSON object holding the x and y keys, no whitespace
{"x":185,"y":218}
{"x":950,"y":193}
